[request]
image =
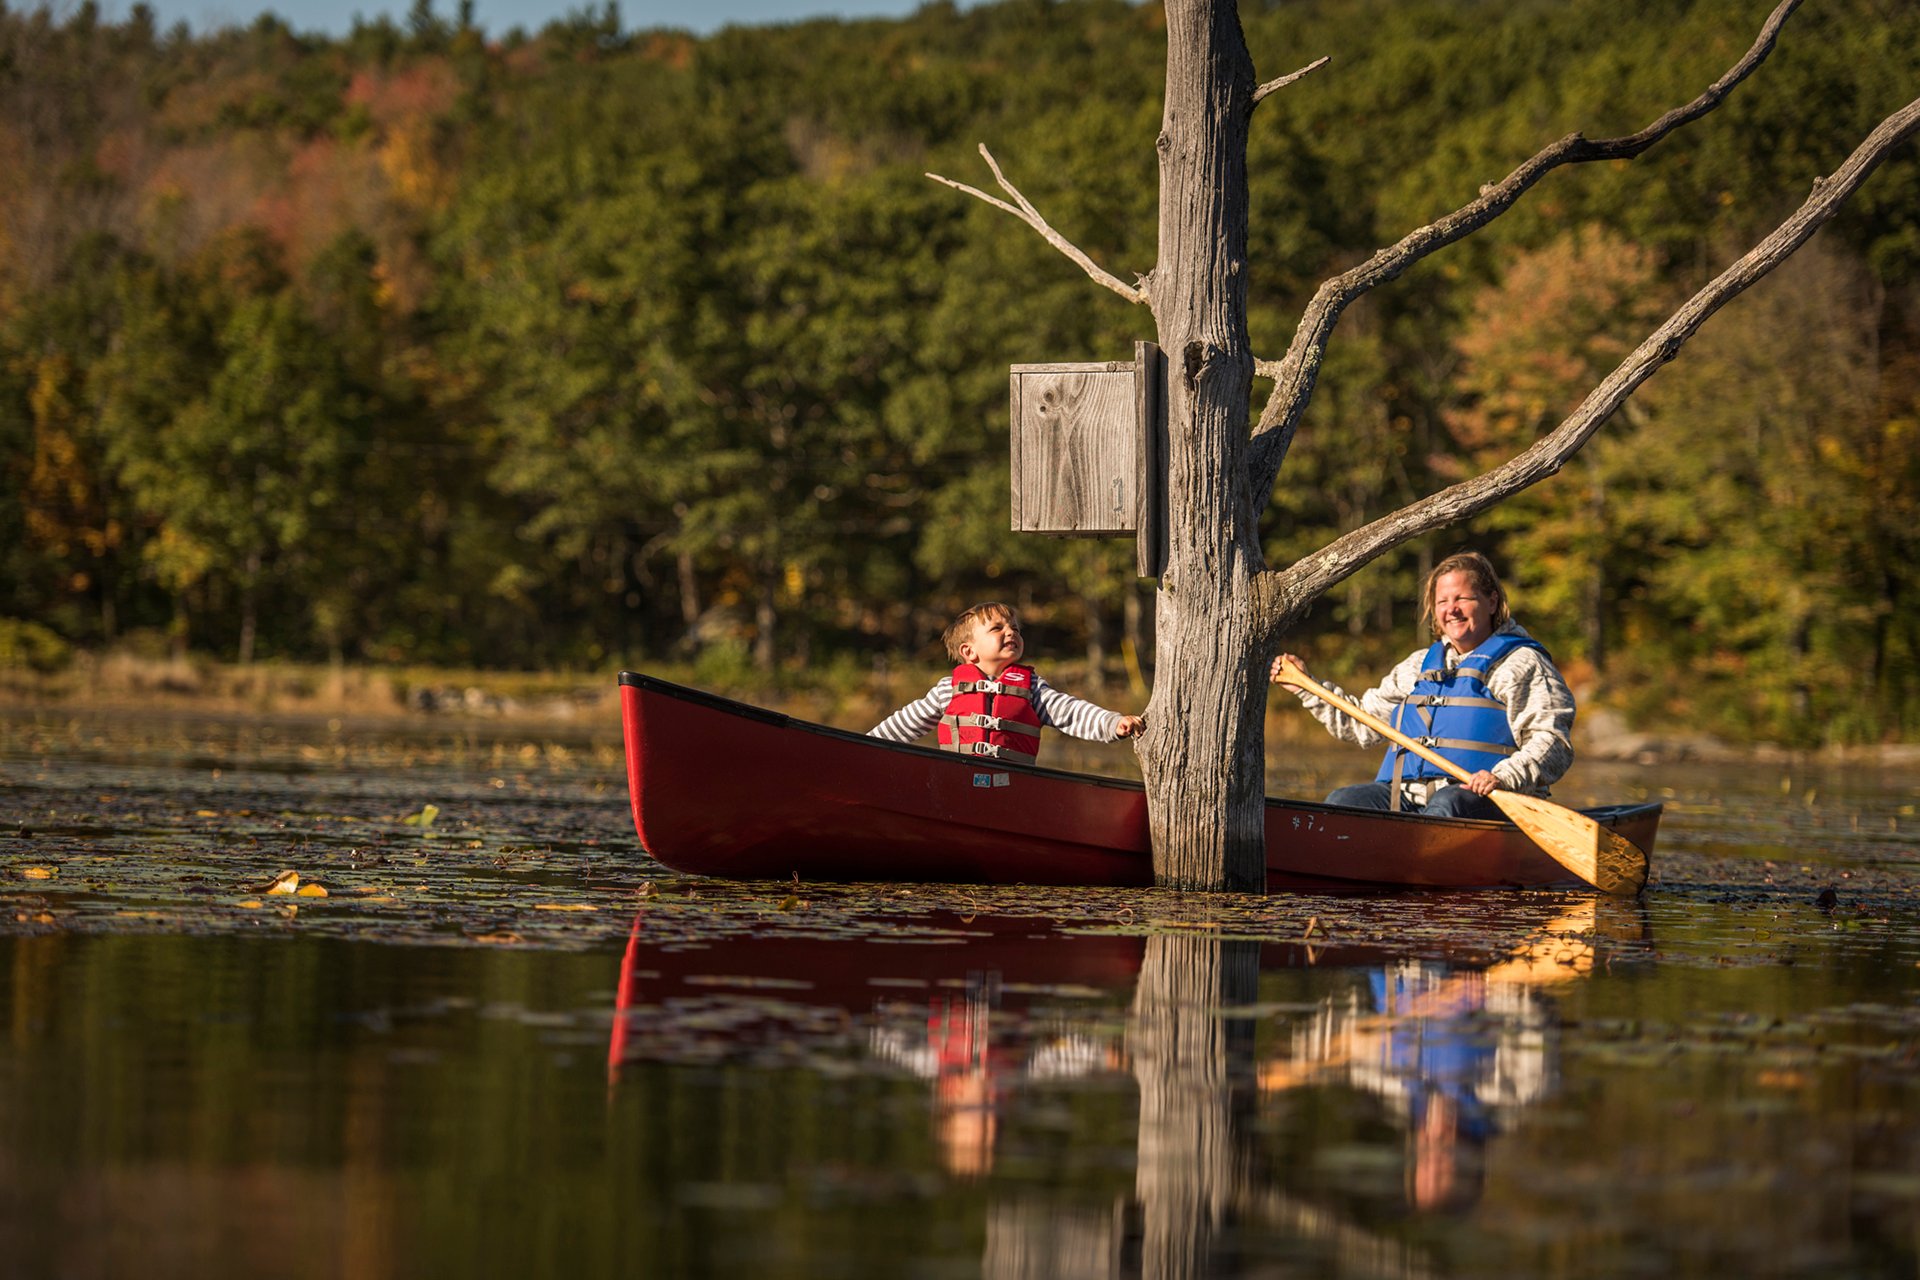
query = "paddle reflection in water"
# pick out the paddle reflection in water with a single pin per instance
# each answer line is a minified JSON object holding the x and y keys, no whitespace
{"x":993,"y":1012}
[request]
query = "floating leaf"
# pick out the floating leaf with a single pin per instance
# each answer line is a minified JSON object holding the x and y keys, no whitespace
{"x":313,"y":891}
{"x":424,"y":818}
{"x":562,"y":906}
{"x":285,"y":882}
{"x":39,"y":873}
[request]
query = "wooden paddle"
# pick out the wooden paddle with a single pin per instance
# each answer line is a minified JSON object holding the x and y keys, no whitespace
{"x":1605,"y":859}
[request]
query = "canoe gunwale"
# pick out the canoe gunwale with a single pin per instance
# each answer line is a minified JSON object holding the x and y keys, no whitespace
{"x":1606,"y":814}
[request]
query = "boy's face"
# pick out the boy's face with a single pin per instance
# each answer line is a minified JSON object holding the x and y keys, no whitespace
{"x":993,"y":644}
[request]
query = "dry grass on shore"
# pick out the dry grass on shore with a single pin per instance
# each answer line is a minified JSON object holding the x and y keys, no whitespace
{"x":193,"y":684}
{"x":844,"y":697}
{"x":197,"y":685}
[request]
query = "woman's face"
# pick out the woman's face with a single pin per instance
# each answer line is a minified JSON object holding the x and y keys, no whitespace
{"x":1463,"y":614}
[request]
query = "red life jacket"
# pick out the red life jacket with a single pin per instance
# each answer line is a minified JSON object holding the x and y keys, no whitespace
{"x":992,"y":717}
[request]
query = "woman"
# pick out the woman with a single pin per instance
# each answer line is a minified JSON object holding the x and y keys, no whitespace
{"x":1485,"y":695}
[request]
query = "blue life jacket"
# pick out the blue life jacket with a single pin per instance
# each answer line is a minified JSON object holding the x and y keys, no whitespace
{"x":1454,"y":714}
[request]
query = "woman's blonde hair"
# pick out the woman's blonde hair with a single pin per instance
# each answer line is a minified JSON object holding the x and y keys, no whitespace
{"x":1479,"y":571}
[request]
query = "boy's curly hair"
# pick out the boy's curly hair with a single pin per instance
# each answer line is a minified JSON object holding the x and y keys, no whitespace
{"x":958,"y":631}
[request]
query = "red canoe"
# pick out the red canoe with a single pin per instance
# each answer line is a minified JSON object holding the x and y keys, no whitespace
{"x":724,"y":789}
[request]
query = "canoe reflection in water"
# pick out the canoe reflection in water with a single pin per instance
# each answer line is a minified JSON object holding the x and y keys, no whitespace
{"x":1227,"y":1042}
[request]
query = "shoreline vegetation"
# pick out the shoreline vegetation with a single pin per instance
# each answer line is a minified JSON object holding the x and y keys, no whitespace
{"x":586,"y":703}
{"x":554,"y":350}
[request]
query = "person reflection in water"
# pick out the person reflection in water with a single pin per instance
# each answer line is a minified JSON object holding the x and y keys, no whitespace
{"x":1448,"y":1050}
{"x":965,"y":1086}
{"x":1447,"y":1168}
{"x":973,"y":1064}
{"x":1440,"y":1052}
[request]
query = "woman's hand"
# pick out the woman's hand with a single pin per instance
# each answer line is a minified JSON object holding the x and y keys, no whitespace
{"x":1129,"y":726}
{"x":1284,"y":664}
{"x":1482,"y":783}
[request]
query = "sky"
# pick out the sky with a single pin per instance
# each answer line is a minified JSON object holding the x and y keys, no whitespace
{"x":496,"y":17}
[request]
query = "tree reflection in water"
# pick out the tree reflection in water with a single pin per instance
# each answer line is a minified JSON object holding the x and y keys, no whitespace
{"x":1195,"y":1069}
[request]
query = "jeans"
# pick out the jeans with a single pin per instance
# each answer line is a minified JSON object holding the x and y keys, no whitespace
{"x":1447,"y":802}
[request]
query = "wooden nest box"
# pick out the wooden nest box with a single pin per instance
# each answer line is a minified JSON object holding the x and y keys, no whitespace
{"x":1088,"y":440}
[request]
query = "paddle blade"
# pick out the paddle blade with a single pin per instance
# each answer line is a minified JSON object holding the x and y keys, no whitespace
{"x":1603,"y":858}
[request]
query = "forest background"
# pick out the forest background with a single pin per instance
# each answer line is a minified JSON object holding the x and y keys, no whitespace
{"x":592,"y":348}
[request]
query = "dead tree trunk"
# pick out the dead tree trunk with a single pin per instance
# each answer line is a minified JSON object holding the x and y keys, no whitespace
{"x":1203,"y":752}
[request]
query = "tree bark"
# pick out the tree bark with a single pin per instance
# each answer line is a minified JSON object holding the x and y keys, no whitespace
{"x":1204,"y":750}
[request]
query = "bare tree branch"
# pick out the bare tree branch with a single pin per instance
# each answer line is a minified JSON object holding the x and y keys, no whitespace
{"x":1031,"y":216}
{"x":1300,"y":368}
{"x":1283,"y":591}
{"x":1274,"y":86}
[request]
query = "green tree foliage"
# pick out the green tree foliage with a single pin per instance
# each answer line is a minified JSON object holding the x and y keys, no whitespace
{"x":592,"y":345}
{"x":1773,"y":481}
{"x":233,"y":432}
{"x":1560,"y":319}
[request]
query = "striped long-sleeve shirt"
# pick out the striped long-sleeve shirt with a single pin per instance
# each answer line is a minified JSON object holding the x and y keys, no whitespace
{"x":1062,"y":711}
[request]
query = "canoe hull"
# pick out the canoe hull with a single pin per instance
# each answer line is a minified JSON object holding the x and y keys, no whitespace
{"x":723,"y":789}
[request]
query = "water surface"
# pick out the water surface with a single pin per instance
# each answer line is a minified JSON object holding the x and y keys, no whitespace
{"x":506,"y":1042}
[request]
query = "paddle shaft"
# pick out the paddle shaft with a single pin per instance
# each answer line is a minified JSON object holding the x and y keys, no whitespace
{"x":1293,"y":675}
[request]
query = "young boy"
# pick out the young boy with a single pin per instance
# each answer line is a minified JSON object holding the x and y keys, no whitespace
{"x":992,"y":705}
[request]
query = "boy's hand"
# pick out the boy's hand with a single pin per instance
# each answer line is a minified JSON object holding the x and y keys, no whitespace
{"x":1128,"y":726}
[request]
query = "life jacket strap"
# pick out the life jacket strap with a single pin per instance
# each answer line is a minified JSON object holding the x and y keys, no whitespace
{"x":1467,"y":744}
{"x":996,"y":723}
{"x":991,"y":749}
{"x":995,"y":687}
